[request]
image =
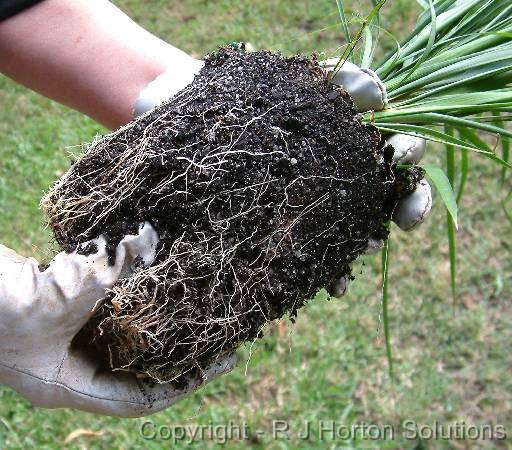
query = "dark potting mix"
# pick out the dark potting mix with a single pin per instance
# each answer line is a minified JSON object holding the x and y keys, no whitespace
{"x":263,"y":185}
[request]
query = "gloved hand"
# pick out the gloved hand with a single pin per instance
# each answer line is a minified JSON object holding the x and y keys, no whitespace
{"x":369,"y":94}
{"x":42,"y":311}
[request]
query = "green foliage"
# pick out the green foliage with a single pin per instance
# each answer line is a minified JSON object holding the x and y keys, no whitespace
{"x":348,"y":53}
{"x":344,"y":23}
{"x":505,"y":147}
{"x":454,"y":71}
{"x":454,"y":66}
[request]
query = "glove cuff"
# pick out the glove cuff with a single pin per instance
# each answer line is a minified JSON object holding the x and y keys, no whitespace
{"x":166,"y":85}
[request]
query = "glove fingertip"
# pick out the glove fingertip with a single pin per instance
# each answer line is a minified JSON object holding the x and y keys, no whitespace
{"x":408,"y":149}
{"x":339,"y":287}
{"x":223,"y":365}
{"x":414,"y":208}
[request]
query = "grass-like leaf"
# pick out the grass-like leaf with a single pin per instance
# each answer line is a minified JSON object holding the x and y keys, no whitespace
{"x":471,"y":136}
{"x":423,"y":3}
{"x":430,"y":42}
{"x":434,"y":119}
{"x":450,"y":224}
{"x":371,"y":41}
{"x":438,"y":136}
{"x":505,"y":145}
{"x":443,"y":186}
{"x":450,"y":227}
{"x":344,"y":23}
{"x":368,"y":47}
{"x":385,"y":298}
{"x":450,"y":158}
{"x":447,"y":13}
{"x":350,"y":48}
{"x":464,"y":168}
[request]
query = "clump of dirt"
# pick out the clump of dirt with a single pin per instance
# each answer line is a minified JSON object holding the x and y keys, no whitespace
{"x":263,"y":185}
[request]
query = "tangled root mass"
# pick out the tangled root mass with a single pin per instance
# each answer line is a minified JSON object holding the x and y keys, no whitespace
{"x":263,"y":185}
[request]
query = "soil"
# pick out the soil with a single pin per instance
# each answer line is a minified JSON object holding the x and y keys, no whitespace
{"x":263,"y":185}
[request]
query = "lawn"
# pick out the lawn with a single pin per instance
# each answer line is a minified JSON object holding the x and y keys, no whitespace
{"x":451,"y":364}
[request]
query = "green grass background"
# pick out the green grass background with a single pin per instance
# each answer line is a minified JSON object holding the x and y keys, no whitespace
{"x":451,"y":365}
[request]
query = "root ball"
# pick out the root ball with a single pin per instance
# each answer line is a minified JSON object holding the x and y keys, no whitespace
{"x":263,"y":185}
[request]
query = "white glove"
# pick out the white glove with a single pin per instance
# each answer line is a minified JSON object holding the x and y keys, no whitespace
{"x":167,"y":84}
{"x":364,"y":86}
{"x":369,"y":94}
{"x":40,"y":314}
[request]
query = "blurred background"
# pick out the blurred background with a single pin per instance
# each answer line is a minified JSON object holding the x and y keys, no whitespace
{"x":451,"y":364}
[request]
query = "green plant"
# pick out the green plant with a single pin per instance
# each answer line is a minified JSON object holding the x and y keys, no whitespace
{"x":451,"y":74}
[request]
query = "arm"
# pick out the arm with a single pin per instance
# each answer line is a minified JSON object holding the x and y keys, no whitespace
{"x":88,"y":55}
